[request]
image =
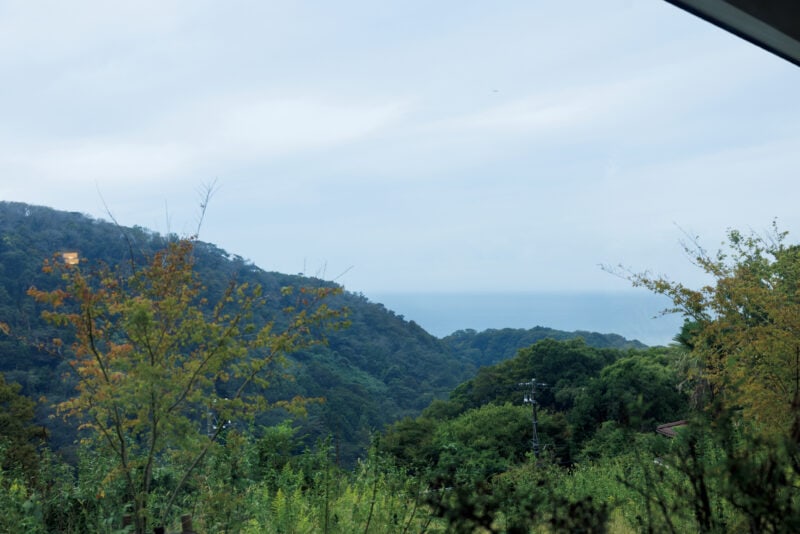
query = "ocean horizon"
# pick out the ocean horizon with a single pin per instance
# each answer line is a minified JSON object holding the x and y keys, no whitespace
{"x":633,"y":315}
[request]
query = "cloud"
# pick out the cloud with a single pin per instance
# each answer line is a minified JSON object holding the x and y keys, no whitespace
{"x":204,"y":136}
{"x":264,"y":127}
{"x":518,"y":145}
{"x":98,"y":160}
{"x":54,"y":31}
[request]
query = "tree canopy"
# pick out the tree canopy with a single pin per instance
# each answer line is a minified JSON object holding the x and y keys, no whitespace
{"x":744,"y":326}
{"x":19,"y":435}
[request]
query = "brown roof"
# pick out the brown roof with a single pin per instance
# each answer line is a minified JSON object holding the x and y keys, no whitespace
{"x":668,"y":429}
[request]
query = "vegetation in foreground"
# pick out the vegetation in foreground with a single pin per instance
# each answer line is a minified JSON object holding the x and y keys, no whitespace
{"x":464,"y":464}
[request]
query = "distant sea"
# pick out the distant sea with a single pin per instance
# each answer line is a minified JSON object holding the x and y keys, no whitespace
{"x":630,"y":314}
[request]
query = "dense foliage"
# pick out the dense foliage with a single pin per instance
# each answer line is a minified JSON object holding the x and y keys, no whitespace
{"x":380,"y":369}
{"x":732,"y":466}
{"x":744,"y":327}
{"x":457,"y":463}
{"x":586,"y":396}
{"x":373,"y":373}
{"x":19,"y":435}
{"x":153,"y":359}
{"x":496,"y":345}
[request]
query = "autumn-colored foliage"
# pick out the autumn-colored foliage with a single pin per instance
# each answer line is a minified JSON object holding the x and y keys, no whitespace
{"x":745,"y":326}
{"x":151,"y":354}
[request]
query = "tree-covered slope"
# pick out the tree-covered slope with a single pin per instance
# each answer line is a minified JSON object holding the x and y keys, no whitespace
{"x":495,"y":345}
{"x":588,"y":400}
{"x":378,"y":370}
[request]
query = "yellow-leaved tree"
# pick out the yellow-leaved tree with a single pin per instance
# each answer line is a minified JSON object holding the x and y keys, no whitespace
{"x":150,"y":353}
{"x":744,"y":326}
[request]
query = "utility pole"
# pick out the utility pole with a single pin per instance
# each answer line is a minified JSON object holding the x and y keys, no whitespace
{"x":530,"y":398}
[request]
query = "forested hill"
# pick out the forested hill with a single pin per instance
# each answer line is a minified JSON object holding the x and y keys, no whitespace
{"x":493,"y":345}
{"x":378,"y":370}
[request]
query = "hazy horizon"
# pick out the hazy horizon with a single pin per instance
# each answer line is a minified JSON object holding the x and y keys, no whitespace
{"x":631,"y":314}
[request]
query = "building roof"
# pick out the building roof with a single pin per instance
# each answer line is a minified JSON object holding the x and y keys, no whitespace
{"x":774,"y":25}
{"x":669,"y":429}
{"x":70,"y":258}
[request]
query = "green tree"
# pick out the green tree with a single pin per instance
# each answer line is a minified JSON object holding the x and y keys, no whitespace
{"x":19,"y":436}
{"x":411,"y":443}
{"x":153,"y":358}
{"x":565,"y":366}
{"x":744,"y":326}
{"x":482,"y":442}
{"x":635,"y":393}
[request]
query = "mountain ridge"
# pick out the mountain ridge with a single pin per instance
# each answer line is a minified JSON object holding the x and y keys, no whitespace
{"x":380,"y":369}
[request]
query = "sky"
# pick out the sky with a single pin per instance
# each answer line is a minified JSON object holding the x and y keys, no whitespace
{"x":408,"y":146}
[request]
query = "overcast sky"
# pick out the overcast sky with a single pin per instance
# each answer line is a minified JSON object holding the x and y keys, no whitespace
{"x":416,"y":145}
